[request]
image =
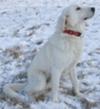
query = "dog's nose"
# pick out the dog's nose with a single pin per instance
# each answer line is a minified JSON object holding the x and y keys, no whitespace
{"x":93,"y":9}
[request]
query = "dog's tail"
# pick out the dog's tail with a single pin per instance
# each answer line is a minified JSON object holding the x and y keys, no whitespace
{"x":11,"y":90}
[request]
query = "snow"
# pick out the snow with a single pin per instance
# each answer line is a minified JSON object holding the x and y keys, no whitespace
{"x":25,"y":25}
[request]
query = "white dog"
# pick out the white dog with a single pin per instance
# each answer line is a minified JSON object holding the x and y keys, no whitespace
{"x":60,"y":54}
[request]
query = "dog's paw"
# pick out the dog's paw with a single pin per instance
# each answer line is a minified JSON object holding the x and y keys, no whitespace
{"x":55,"y":99}
{"x":52,"y":98}
{"x":90,"y":101}
{"x":86,"y":99}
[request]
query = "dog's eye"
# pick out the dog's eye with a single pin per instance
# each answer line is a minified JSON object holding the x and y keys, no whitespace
{"x":78,"y":8}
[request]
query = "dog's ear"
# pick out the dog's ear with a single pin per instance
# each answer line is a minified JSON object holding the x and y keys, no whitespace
{"x":65,"y":16}
{"x":61,"y":22}
{"x":69,"y":20}
{"x":66,"y":20}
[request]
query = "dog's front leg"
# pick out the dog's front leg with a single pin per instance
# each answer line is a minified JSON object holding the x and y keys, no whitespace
{"x":55,"y":81}
{"x":75,"y":83}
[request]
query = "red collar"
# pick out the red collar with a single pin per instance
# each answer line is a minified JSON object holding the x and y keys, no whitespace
{"x":71,"y":32}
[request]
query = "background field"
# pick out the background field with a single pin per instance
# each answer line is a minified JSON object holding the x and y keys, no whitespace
{"x":25,"y":25}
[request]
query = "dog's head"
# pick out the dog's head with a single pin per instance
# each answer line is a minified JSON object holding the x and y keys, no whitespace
{"x":75,"y":15}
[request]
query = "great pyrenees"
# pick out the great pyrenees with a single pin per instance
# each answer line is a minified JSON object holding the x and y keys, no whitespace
{"x":60,"y":54}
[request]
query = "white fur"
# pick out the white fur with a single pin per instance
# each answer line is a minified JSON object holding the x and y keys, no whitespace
{"x":60,"y":54}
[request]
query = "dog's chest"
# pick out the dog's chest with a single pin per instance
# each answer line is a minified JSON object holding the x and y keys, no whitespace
{"x":69,"y":45}
{"x":74,"y":46}
{"x":66,"y":51}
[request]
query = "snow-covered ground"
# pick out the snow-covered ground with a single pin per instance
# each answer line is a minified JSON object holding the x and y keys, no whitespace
{"x":25,"y":25}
